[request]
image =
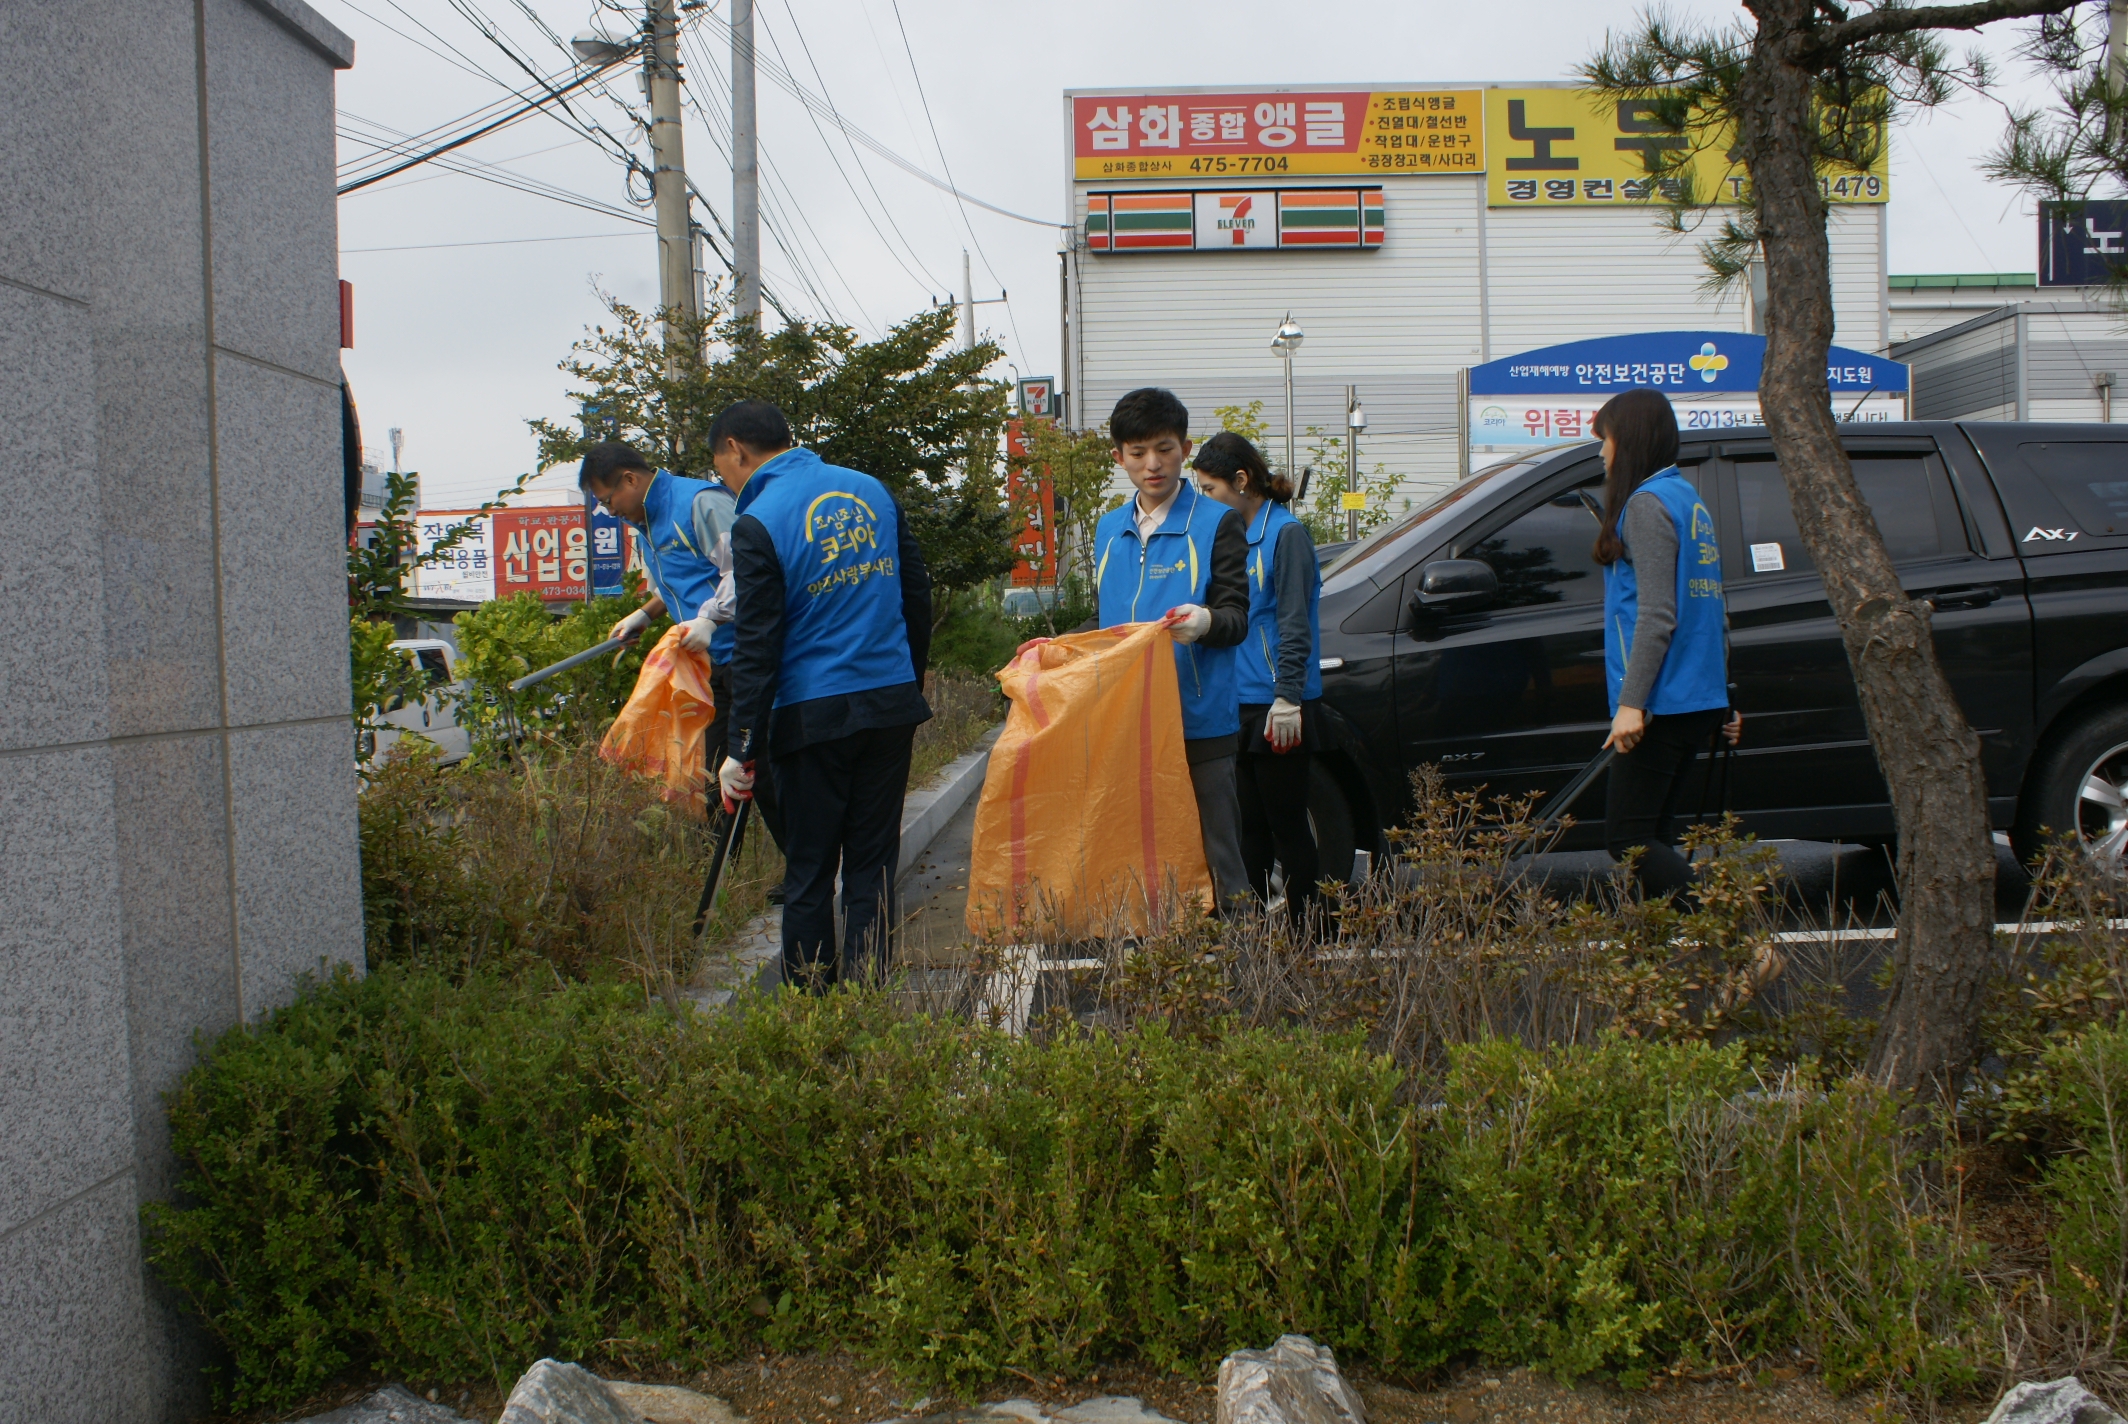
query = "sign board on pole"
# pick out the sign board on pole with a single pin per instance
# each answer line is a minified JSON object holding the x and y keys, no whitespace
{"x":463,"y":572}
{"x":541,"y":550}
{"x":2080,"y":243}
{"x":1032,"y":497}
{"x":609,"y":551}
{"x":1548,"y":396}
{"x":1276,"y":135}
{"x":1038,"y":397}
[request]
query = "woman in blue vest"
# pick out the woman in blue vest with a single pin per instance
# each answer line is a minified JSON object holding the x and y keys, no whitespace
{"x":1665,"y":632}
{"x":1278,"y":671}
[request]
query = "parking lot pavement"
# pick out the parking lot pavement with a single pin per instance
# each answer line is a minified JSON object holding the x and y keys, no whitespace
{"x":934,"y":895}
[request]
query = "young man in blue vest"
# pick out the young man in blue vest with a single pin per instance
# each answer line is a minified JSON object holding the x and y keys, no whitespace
{"x":834,"y":633}
{"x":1172,"y":554}
{"x":681,"y":525}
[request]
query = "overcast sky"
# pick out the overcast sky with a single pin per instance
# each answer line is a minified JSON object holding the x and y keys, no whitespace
{"x":467,"y":293}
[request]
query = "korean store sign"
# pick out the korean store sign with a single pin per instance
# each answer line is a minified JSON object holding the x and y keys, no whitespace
{"x":1232,"y":135}
{"x":1032,"y":498}
{"x":542,"y":550}
{"x":1559,"y":147}
{"x":462,"y":572}
{"x":1243,"y":220}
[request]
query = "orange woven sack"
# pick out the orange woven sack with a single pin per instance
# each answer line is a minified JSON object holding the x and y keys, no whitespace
{"x":1088,"y":824}
{"x":660,"y":733}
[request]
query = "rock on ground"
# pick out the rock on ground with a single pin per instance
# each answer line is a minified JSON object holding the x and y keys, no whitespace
{"x":554,"y":1393}
{"x":669,"y":1404}
{"x":1105,"y":1409}
{"x":1296,"y":1381}
{"x":2062,"y":1401}
{"x":393,"y":1404}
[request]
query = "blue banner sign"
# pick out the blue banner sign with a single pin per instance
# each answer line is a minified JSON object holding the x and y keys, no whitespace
{"x":609,"y":551}
{"x":1683,"y":364}
{"x":2080,"y":244}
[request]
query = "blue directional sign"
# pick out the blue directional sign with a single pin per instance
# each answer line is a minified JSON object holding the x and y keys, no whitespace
{"x":2080,"y":244}
{"x":1683,"y":363}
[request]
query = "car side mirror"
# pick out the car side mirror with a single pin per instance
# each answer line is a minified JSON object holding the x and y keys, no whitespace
{"x":1456,"y":586}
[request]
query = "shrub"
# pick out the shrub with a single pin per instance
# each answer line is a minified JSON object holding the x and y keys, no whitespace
{"x":2089,"y":1185}
{"x":441,"y":1179}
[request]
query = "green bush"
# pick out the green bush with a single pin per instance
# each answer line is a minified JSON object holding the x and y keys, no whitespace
{"x":444,"y":1179}
{"x":2089,"y":1185}
{"x":503,"y":640}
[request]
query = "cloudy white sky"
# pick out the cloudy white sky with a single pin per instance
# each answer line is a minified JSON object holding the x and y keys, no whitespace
{"x":468,"y":292}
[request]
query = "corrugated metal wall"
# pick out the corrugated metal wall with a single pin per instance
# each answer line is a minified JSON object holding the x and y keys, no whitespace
{"x":1968,"y":374}
{"x":1971,"y":374}
{"x":1401,"y":321}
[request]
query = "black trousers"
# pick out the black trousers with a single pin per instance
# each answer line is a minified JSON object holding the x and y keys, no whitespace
{"x":1274,"y":823}
{"x":844,"y":799}
{"x":1643,"y":790}
{"x":767,"y":808}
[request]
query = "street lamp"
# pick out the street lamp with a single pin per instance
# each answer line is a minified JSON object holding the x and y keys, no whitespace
{"x":1285,"y":344}
{"x":1355,"y":422}
{"x":596,"y":48}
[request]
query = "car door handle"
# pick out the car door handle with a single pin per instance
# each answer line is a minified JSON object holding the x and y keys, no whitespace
{"x":1978,"y":596}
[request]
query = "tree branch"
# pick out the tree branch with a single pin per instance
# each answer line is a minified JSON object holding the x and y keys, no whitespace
{"x":1901,"y":20}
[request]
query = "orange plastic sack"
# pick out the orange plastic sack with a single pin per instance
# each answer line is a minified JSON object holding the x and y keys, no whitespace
{"x":1088,"y":824}
{"x":660,"y":733}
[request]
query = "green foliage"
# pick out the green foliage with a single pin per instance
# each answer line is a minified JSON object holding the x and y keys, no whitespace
{"x":2089,"y":1186}
{"x":912,"y":409}
{"x":1325,"y":465}
{"x":978,"y":637}
{"x":505,"y":639}
{"x":441,"y":1176}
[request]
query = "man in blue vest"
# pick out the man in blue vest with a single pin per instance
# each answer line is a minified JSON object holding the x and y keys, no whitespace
{"x":833,"y":620}
{"x":1171,"y":553}
{"x":683,"y":527}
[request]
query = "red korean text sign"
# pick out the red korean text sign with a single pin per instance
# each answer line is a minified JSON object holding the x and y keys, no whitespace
{"x":541,"y":550}
{"x":1032,"y":498}
{"x":1237,"y":135}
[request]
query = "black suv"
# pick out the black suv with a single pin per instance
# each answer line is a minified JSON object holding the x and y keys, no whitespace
{"x":1469,"y":634}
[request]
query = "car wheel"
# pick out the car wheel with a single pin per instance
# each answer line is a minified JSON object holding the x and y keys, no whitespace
{"x":2082,"y":786}
{"x":1330,"y":817}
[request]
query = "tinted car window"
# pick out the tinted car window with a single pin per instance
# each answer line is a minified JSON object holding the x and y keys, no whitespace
{"x":1544,"y":556}
{"x":432,"y":663}
{"x":1908,"y":495}
{"x":2090,"y":478}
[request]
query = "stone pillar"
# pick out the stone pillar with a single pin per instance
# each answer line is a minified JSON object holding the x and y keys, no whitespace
{"x":177,"y":799}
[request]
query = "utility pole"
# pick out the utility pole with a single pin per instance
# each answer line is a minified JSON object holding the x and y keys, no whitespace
{"x":968,"y":300}
{"x":745,"y":169}
{"x":676,"y":258}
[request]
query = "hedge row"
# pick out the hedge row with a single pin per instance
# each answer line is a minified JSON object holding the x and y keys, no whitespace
{"x":444,"y":1181}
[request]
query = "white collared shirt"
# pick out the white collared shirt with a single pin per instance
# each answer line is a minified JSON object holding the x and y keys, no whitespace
{"x":1149,"y":520}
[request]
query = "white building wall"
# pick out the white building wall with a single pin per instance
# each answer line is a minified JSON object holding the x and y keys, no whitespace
{"x":1401,"y":321}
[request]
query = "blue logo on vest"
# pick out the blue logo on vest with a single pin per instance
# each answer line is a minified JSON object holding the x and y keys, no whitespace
{"x":841,"y":525}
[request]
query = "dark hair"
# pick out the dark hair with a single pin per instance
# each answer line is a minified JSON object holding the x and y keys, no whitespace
{"x":604,"y":461}
{"x":1147,"y":414}
{"x":1643,"y":430}
{"x":755,"y":424}
{"x":1228,"y":456}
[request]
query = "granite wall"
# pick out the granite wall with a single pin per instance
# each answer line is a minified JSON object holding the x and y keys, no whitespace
{"x":177,"y":801}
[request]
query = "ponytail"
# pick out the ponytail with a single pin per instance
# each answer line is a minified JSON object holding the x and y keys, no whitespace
{"x":1230,"y":457}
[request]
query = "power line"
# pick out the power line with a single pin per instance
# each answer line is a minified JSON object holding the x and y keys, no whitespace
{"x":503,"y":177}
{"x":462,"y":140}
{"x":946,"y":164}
{"x":491,"y":242}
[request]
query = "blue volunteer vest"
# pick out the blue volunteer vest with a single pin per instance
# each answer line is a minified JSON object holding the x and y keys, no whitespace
{"x":838,"y":536}
{"x":1695,"y":670}
{"x":683,"y":575}
{"x":1257,"y":668}
{"x":1138,"y":582}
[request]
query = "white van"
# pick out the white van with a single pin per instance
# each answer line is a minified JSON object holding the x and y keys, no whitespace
{"x":435,"y":715}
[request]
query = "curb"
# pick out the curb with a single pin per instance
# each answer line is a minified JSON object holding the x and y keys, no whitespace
{"x":756,"y":960}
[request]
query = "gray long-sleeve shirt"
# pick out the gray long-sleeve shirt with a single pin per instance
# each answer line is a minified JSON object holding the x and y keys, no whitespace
{"x":1651,"y":547}
{"x":1293,"y":559}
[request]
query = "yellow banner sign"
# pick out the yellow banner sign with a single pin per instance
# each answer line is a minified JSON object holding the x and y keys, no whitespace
{"x":1557,"y":147}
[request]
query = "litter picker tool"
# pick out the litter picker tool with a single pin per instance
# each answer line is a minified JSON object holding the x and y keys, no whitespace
{"x":611,"y":645}
{"x":1565,"y":796}
{"x":727,"y":837}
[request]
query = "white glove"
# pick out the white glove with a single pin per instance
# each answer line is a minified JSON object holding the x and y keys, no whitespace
{"x":631,"y":627}
{"x":1188,"y":621}
{"x":697,"y":635}
{"x":735,"y":780}
{"x":1282,"y":727}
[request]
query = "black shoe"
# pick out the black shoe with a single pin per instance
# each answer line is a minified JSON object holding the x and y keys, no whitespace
{"x":775,"y":894}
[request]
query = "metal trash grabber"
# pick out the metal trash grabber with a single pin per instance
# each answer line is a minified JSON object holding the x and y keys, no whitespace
{"x":1566,"y":795}
{"x":734,"y":824}
{"x":611,"y":645}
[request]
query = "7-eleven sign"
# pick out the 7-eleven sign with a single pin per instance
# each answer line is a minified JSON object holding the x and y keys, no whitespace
{"x":1226,"y":221}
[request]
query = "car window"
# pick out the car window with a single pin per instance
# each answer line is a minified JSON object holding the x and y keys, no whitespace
{"x":434,"y":664}
{"x":1544,"y":556}
{"x":1908,"y":494}
{"x":2090,"y":478}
